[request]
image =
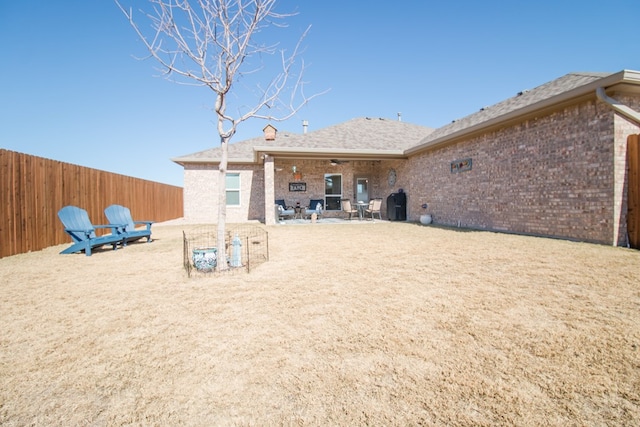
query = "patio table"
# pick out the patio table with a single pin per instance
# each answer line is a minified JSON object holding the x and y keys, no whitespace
{"x":361,"y":206}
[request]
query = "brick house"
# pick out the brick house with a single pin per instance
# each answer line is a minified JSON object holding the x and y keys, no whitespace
{"x":550,"y":161}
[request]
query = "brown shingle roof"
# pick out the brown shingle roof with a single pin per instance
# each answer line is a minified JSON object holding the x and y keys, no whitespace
{"x":361,"y":134}
{"x":523,"y":101}
{"x":377,"y":138}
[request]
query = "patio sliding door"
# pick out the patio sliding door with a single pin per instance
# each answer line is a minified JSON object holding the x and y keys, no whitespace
{"x":362,"y":189}
{"x":332,"y":191}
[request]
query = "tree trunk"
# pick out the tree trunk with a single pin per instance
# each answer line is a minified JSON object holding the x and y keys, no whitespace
{"x":222,"y":205}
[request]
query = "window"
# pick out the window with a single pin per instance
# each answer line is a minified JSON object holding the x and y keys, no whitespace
{"x":332,"y":191}
{"x":233,"y":189}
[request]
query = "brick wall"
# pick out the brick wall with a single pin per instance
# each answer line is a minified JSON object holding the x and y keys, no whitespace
{"x":623,"y":127}
{"x":313,"y":172}
{"x":562,"y":174}
{"x":200,"y":186}
{"x":404,"y":180}
{"x":201,"y":194}
{"x":549,"y":175}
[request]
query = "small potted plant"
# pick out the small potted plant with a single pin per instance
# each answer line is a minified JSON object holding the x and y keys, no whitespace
{"x":425,"y":218}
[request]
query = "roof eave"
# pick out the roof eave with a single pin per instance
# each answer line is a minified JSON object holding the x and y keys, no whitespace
{"x":325,"y":153}
{"x":297,"y":153}
{"x":182,"y":161}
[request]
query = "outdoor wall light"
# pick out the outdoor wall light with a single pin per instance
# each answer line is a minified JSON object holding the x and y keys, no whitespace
{"x":297,"y":176}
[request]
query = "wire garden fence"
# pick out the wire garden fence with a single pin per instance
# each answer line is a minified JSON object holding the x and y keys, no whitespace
{"x":246,"y":247}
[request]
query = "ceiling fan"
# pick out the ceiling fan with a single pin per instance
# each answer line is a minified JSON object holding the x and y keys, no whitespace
{"x":335,"y":162}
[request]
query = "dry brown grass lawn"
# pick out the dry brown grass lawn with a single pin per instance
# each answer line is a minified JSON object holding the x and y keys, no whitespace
{"x":364,"y":324}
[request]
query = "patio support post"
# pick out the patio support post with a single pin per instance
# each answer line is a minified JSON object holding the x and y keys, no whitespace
{"x":269,"y":191}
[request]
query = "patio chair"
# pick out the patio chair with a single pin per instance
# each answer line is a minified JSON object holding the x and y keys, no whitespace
{"x":374,"y":208}
{"x":283,"y":211}
{"x":117,"y":214}
{"x":316,"y":206}
{"x":348,"y":208}
{"x":77,"y":224}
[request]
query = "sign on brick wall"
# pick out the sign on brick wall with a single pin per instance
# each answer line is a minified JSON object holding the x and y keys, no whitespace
{"x":297,"y":186}
{"x":461,"y":165}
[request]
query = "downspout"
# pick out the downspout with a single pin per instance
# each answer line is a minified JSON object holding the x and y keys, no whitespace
{"x":632,"y":115}
{"x":618,"y":106}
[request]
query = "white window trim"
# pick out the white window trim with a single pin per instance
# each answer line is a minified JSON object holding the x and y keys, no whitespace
{"x":239,"y":189}
{"x":340,"y":196}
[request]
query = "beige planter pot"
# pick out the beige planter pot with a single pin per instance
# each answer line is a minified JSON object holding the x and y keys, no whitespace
{"x":425,"y":219}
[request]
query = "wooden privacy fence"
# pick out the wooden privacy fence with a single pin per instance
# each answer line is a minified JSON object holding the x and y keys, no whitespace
{"x":33,"y":189}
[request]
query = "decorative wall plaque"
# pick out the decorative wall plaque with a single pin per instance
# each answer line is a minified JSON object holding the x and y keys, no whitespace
{"x":461,"y":165}
{"x":297,"y":186}
{"x":391,"y":177}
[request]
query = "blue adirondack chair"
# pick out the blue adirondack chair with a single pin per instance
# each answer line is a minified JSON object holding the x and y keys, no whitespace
{"x":117,"y":214}
{"x":77,"y":225}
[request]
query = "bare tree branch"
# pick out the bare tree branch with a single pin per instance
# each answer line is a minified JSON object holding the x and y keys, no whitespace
{"x":214,"y":43}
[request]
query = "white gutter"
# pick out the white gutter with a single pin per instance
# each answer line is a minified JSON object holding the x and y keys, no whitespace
{"x":618,"y":106}
{"x":199,"y":160}
{"x":325,"y":153}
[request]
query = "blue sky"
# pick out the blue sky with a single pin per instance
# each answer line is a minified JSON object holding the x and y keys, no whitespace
{"x":72,"y":90}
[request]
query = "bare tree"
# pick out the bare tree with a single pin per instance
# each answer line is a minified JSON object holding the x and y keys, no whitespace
{"x":214,"y":43}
